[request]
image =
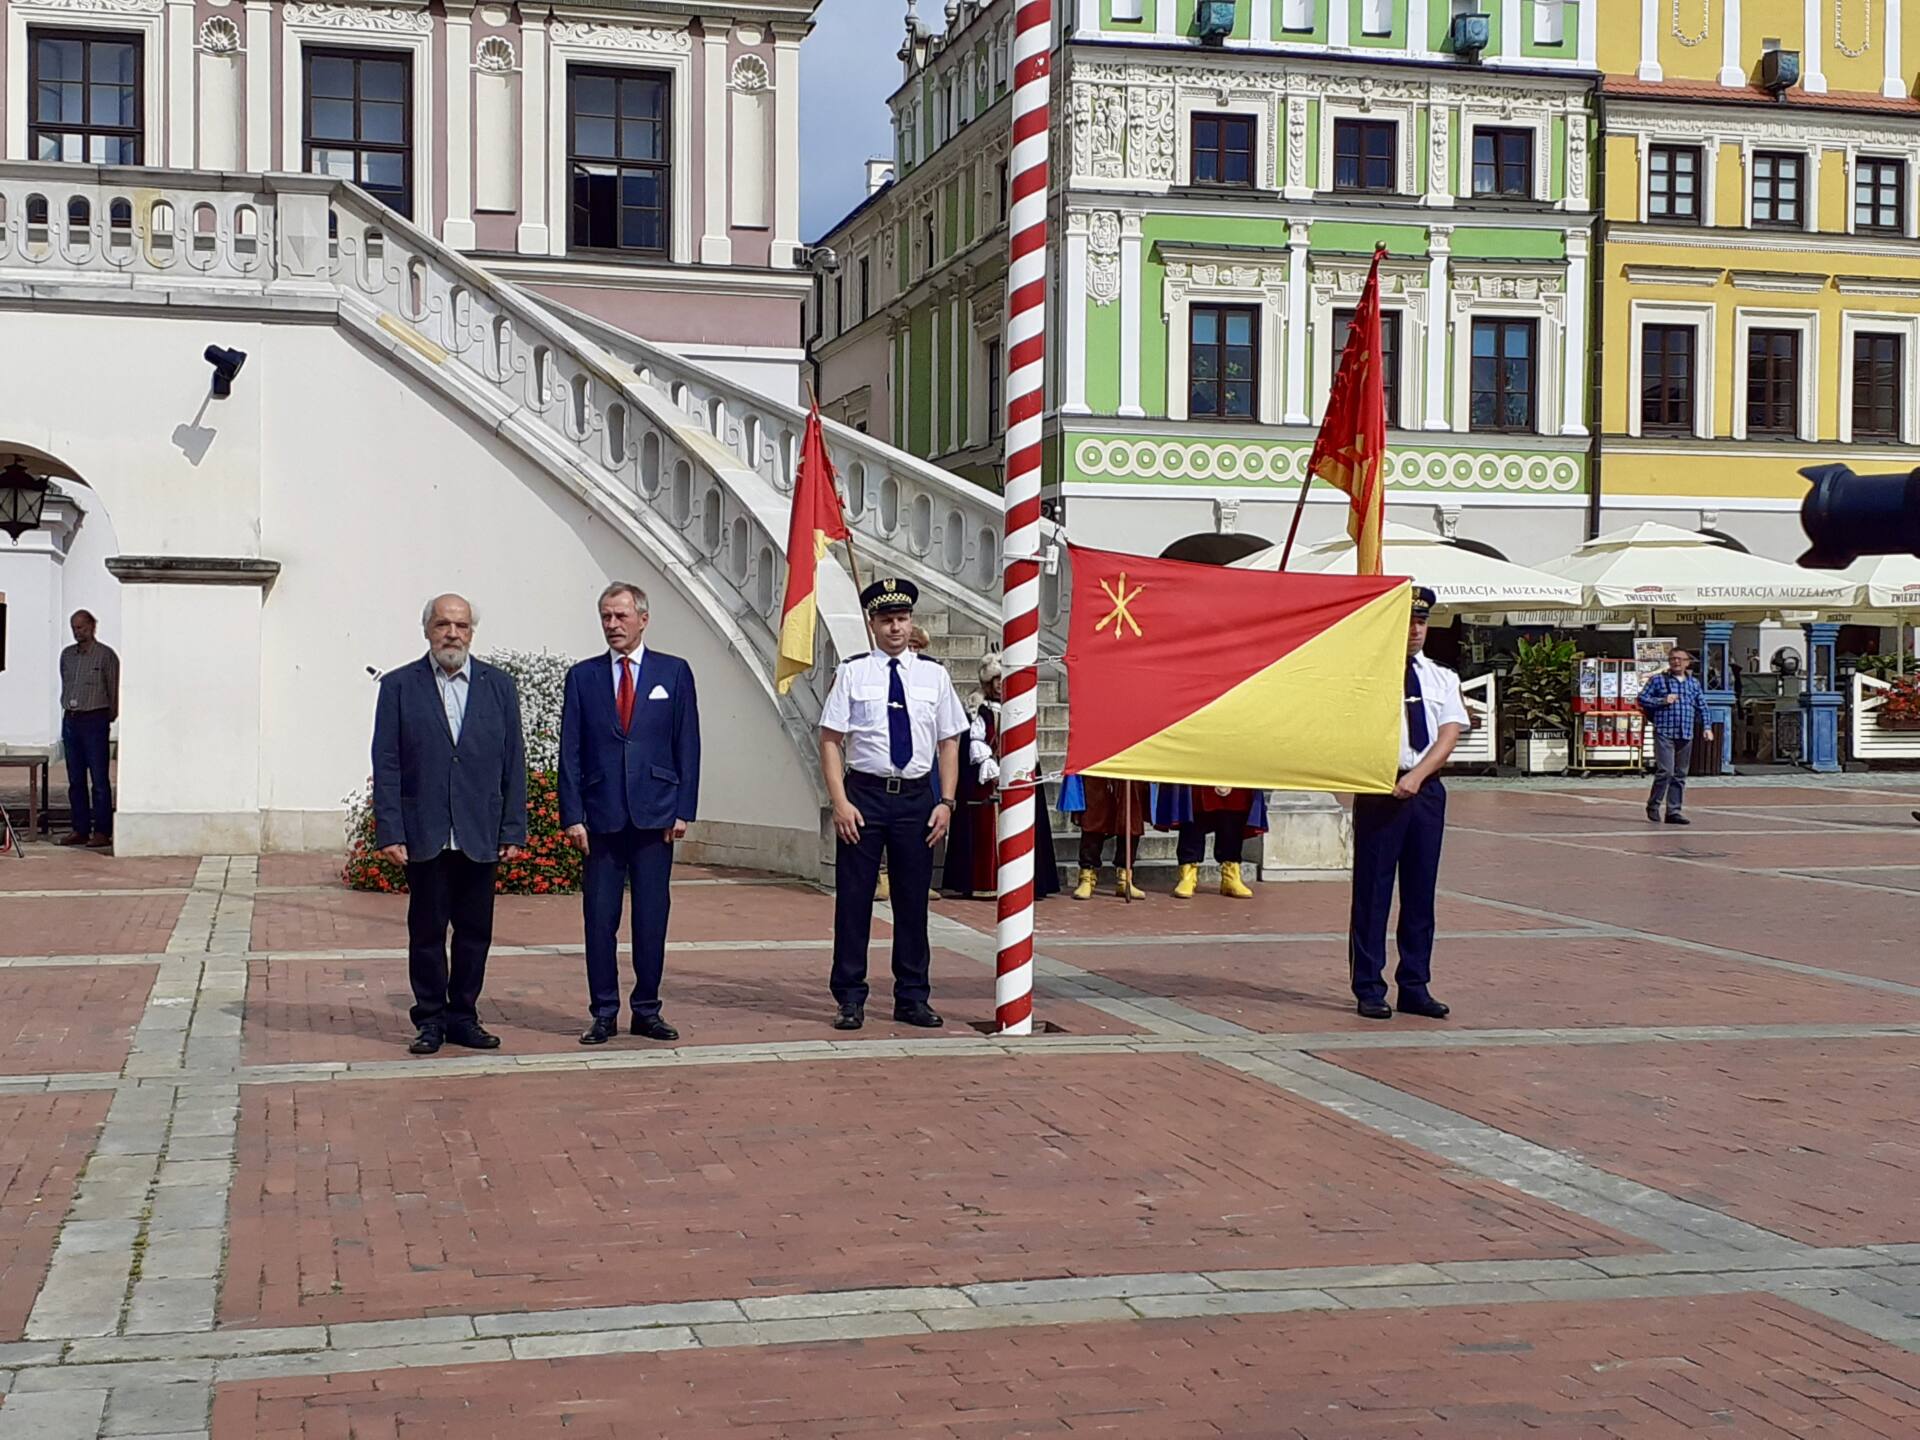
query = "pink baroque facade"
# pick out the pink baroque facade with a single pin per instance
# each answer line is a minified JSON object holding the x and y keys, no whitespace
{"x":635,"y":159}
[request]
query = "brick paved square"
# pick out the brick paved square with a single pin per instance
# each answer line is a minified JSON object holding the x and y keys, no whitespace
{"x":1516,"y":981}
{"x":335,"y":918}
{"x":59,"y":1018}
{"x":1746,"y":1366}
{"x":366,"y":1201}
{"x":329,"y":1010}
{"x":52,"y":867}
{"x":44,"y":1144}
{"x":1812,"y":1138}
{"x":87,"y":925}
{"x":1884,"y":877}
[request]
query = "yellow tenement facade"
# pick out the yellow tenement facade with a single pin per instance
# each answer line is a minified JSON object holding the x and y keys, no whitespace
{"x":1760,"y":254}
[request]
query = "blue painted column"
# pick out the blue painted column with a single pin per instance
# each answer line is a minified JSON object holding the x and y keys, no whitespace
{"x":1716,"y":670}
{"x":1820,"y":702}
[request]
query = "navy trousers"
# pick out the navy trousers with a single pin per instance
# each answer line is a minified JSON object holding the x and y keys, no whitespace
{"x":448,"y":890}
{"x":1395,"y":838}
{"x":1229,"y":831}
{"x":83,"y":734}
{"x":896,"y":827}
{"x":617,"y":860}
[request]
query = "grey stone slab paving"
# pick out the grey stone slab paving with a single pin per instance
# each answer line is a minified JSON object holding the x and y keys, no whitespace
{"x":144,"y":1410}
{"x":1249,"y":1302}
{"x":604,"y":1342}
{"x":621,"y":1317}
{"x":1052,"y":1312}
{"x":61,"y":1415}
{"x":851,"y":1302}
{"x":1086,"y":1287}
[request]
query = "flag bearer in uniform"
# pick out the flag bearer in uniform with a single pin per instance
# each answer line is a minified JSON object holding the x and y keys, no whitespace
{"x":1400,"y":834}
{"x":891,"y":720}
{"x":1197,"y":811}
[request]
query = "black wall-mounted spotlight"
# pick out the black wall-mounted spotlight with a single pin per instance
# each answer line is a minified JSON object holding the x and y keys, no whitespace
{"x":226,"y":364}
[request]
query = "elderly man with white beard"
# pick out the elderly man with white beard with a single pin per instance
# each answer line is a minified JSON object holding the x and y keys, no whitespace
{"x":449,"y":803}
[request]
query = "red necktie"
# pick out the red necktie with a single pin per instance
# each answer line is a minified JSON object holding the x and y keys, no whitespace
{"x":625,"y":700}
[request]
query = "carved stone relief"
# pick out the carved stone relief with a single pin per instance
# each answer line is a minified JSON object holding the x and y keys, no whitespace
{"x":623,"y":37}
{"x":360,"y":17}
{"x":1103,"y":257}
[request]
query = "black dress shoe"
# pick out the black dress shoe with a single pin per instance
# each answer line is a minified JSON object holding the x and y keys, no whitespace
{"x":1653,"y":815}
{"x":922,"y":1015}
{"x":601,"y":1030}
{"x":1424,"y":1005}
{"x":427,"y":1042}
{"x":1375,"y":1009}
{"x":654,"y":1028}
{"x":851,"y":1017}
{"x":472,"y":1036}
{"x":1676,"y":818}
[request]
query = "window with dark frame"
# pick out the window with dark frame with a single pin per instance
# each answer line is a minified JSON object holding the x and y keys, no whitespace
{"x":1390,"y":358}
{"x":1779,"y":184}
{"x":1503,"y":378}
{"x":619,"y":160}
{"x":1880,"y":194}
{"x":840,"y":325}
{"x":1877,"y":385}
{"x":866,"y":286}
{"x":1667,"y":378}
{"x":1223,"y":365}
{"x":1773,"y":382}
{"x":1503,"y":163}
{"x":359,"y":121}
{"x":88,"y":97}
{"x":1673,"y":183}
{"x":1363,"y":155}
{"x":1222,"y":149}
{"x":931,"y":250}
{"x":996,"y":421}
{"x":1005,"y":197}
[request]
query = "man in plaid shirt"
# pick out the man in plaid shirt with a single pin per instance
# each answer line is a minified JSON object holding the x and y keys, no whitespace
{"x":1676,"y":707}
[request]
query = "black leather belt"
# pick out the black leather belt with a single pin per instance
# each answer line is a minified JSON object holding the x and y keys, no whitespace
{"x":892,"y":784}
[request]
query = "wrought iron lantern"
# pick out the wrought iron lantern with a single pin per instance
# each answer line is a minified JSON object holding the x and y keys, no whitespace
{"x":22,"y":495}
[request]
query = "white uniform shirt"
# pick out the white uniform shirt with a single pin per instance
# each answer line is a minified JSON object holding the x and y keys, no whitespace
{"x":454,"y":690}
{"x":1440,"y":692}
{"x":857,"y":708}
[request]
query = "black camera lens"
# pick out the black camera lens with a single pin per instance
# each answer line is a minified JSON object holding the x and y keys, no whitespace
{"x":1846,"y":516}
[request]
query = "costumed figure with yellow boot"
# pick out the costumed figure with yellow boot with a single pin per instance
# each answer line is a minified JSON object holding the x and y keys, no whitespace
{"x":1194,"y":812}
{"x":1106,"y":809}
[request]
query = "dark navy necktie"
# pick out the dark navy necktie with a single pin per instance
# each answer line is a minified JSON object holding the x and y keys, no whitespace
{"x":1418,"y":736}
{"x":899,"y":726}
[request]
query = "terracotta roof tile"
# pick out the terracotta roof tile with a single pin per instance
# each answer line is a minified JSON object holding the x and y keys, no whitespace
{"x":1796,"y":99}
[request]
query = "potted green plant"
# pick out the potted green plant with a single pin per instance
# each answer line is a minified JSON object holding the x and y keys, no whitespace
{"x":1539,"y":704}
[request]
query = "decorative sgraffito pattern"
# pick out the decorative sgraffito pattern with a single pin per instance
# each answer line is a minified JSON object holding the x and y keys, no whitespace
{"x":1177,"y":461}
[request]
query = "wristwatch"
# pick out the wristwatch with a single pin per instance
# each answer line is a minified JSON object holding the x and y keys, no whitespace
{"x":944,"y":800}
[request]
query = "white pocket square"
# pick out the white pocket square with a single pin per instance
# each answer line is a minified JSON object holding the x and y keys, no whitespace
{"x":659,"y":693}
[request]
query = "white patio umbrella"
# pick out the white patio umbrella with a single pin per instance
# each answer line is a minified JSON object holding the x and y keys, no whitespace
{"x":1654,"y":567}
{"x":1460,"y":578}
{"x":1889,"y":586}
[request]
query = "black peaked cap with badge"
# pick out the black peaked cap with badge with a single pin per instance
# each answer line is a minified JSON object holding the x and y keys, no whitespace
{"x":1423,"y":602}
{"x":884,"y":596}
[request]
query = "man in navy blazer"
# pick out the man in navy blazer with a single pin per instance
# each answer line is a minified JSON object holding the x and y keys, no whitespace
{"x":629,"y":787}
{"x":449,"y":803}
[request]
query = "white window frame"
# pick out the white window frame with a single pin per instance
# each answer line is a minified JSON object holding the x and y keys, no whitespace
{"x":1807,"y":323}
{"x":1709,"y":148}
{"x":1473,"y":121}
{"x":1332,"y":112}
{"x":1549,"y":341}
{"x":158,"y":147}
{"x":1177,"y":301}
{"x":296,"y":37}
{"x":1549,"y":22}
{"x":1187,"y":105}
{"x":1411,"y":307}
{"x":1297,"y":16}
{"x":1907,"y":327}
{"x":1703,"y":317}
{"x":1809,"y":153}
{"x":1369,"y":21}
{"x":1856,"y":153}
{"x":678,"y":65}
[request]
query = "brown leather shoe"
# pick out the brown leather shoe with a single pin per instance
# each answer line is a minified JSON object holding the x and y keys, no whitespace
{"x":78,"y":837}
{"x":100,"y":842}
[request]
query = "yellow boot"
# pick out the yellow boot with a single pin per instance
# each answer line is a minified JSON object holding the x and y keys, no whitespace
{"x":884,"y":890}
{"x":1124,"y":887}
{"x":1189,"y":881}
{"x":1231,"y":885}
{"x":1083,"y":887}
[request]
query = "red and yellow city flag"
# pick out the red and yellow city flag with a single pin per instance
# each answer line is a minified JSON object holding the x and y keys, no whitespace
{"x":817,"y":522}
{"x":1258,"y":679}
{"x":1352,"y":447}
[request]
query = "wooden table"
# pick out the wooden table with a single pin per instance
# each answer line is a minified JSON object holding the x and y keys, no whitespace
{"x":39,"y":767}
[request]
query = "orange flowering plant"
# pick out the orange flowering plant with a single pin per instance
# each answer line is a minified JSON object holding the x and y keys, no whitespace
{"x":550,"y":866}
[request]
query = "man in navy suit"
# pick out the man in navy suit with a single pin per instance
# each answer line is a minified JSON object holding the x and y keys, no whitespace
{"x":629,"y":786}
{"x":449,"y":803}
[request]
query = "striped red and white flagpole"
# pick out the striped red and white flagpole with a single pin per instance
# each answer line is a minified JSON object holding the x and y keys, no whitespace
{"x":1020,"y":544}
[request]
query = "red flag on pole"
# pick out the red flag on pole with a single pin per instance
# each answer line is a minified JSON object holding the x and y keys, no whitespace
{"x":817,"y":522}
{"x":1352,"y":447}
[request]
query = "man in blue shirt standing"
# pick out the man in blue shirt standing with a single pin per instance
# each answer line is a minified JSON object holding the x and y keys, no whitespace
{"x":1676,"y":707}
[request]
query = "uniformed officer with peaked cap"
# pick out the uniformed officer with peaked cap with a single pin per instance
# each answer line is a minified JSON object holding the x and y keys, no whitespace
{"x":891,"y":719}
{"x":1400,"y":834}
